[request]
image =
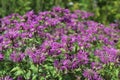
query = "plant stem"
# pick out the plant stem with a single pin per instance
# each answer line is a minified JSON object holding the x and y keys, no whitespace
{"x":38,"y":71}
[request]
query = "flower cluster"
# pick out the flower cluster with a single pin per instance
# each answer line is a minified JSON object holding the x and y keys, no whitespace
{"x":68,"y":38}
{"x":91,"y":75}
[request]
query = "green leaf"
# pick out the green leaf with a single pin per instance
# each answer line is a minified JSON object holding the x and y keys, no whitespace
{"x":116,"y":72}
{"x":34,"y":68}
{"x":19,"y":72}
{"x":34,"y":77}
{"x":15,"y":69}
{"x":28,"y":74}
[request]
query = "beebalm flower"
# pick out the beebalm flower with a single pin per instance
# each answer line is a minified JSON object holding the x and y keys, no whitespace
{"x":56,"y":64}
{"x":107,"y":30}
{"x":66,"y":19}
{"x":5,"y":21}
{"x":75,"y":64}
{"x":5,"y":43}
{"x":73,"y":38}
{"x":6,"y":78}
{"x":57,"y":9}
{"x":54,"y":52}
{"x":82,"y":57}
{"x":107,"y":54}
{"x":1,"y":38}
{"x":15,"y":57}
{"x":1,"y":56}
{"x":37,"y":57}
{"x":64,"y":38}
{"x":55,"y":45}
{"x":92,"y":24}
{"x":52,"y":22}
{"x":66,"y":11}
{"x":113,"y":24}
{"x":29,"y":14}
{"x":96,"y":65}
{"x":91,"y":75}
{"x":12,"y":34}
{"x":66,"y":64}
{"x":83,"y":14}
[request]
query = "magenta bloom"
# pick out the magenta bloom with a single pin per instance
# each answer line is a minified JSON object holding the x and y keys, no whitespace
{"x":6,"y":78}
{"x":82,"y":57}
{"x":91,"y":75}
{"x":96,"y":65}
{"x":1,"y":39}
{"x":37,"y":57}
{"x":15,"y":57}
{"x":1,"y":56}
{"x":11,"y":34}
{"x":107,"y":54}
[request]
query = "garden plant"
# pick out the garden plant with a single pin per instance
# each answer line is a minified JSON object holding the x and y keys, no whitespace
{"x":58,"y":45}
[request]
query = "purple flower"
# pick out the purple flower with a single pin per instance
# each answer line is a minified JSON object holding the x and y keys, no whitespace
{"x":29,"y":14}
{"x":17,"y":57}
{"x":67,"y":11}
{"x":107,"y":30}
{"x":6,"y":78}
{"x":107,"y":54}
{"x":73,"y":38}
{"x":113,"y":24}
{"x":56,"y":63}
{"x":57,"y":9}
{"x":52,"y":22}
{"x":64,"y":39}
{"x":82,"y":57}
{"x":83,"y":14}
{"x":1,"y":39}
{"x":66,"y":64}
{"x":91,"y":75}
{"x":12,"y":34}
{"x":75,"y":64}
{"x":1,"y":56}
{"x":96,"y":65}
{"x":37,"y":57}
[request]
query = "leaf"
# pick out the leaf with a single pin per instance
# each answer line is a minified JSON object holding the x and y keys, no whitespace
{"x":19,"y":72}
{"x":117,"y":72}
{"x":27,"y":8}
{"x":33,"y":68}
{"x":28,"y":74}
{"x":15,"y":69}
{"x":34,"y":77}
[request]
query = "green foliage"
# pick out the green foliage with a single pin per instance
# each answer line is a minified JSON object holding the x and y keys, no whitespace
{"x":118,"y":44}
{"x":106,"y":11}
{"x":14,"y":6}
{"x":22,"y":6}
{"x":107,"y":72}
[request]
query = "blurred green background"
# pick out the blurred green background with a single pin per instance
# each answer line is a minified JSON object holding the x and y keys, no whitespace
{"x":106,"y":11}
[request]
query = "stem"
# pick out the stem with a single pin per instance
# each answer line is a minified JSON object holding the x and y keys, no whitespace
{"x":38,"y":72}
{"x":12,"y":43}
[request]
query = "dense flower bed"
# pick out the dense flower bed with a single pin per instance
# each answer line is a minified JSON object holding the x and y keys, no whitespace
{"x":58,"y":45}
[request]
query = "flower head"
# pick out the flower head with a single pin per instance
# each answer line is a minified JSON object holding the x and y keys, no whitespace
{"x":1,"y":56}
{"x":17,"y":57}
{"x":91,"y":75}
